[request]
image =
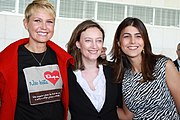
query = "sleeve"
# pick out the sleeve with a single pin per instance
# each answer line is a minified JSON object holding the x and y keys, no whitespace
{"x":120,"y":98}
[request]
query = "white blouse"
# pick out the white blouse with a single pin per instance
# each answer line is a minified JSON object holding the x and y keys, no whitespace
{"x":96,"y":96}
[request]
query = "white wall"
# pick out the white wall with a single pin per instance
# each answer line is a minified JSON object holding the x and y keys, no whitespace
{"x":164,"y":39}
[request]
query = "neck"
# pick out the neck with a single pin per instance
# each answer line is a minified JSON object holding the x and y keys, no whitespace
{"x":89,"y":64}
{"x":136,"y":64}
{"x":90,"y":68}
{"x":36,"y":48}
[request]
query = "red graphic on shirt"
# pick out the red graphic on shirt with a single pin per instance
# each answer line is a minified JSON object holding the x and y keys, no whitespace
{"x":53,"y":77}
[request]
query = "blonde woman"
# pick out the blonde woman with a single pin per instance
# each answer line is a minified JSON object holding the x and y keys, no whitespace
{"x":33,"y":71}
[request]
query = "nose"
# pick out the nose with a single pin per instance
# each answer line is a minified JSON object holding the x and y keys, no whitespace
{"x":43,"y":25}
{"x":94,"y":44}
{"x":132,"y":40}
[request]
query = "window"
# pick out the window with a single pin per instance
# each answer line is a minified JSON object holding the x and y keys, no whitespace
{"x":103,"y":11}
{"x":110,"y":12}
{"x":7,"y":5}
{"x":143,"y":13}
{"x":71,"y":8}
{"x":22,"y":5}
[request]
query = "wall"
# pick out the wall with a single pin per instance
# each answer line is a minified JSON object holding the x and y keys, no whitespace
{"x":164,"y":39}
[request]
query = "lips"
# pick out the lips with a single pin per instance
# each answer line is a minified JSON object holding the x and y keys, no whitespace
{"x":132,"y":47}
{"x":42,"y":33}
{"x":93,"y":51}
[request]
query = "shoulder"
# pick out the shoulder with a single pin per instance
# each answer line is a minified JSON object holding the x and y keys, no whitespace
{"x":71,"y":75}
{"x":170,"y":65}
{"x":165,"y":64}
{"x":162,"y":60}
{"x":70,"y":70}
{"x":108,"y":72}
{"x":14,"y":45}
{"x":108,"y":66}
{"x":11,"y":51}
{"x":62,"y":55}
{"x":160,"y":65}
{"x":171,"y":72}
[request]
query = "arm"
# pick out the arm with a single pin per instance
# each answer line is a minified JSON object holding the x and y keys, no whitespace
{"x":173,"y":82}
{"x":124,"y":113}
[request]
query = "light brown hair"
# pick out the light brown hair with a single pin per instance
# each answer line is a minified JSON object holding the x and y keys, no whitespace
{"x":71,"y":45}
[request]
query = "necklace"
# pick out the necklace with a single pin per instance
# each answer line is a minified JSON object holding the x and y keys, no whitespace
{"x":40,"y":63}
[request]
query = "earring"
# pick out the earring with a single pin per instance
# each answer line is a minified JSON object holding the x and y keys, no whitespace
{"x":118,"y":44}
{"x":143,"y":51}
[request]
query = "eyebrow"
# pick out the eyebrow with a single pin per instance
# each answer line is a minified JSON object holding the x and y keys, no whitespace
{"x":130,"y":33}
{"x":92,"y":38}
{"x":42,"y":18}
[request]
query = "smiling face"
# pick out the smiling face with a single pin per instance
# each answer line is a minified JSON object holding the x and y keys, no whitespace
{"x":131,"y":42}
{"x":40,"y":26}
{"x":90,"y":44}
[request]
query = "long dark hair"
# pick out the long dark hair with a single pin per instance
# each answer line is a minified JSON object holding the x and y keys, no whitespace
{"x":119,"y":58}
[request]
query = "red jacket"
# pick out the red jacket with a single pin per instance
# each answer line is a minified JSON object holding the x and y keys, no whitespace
{"x":9,"y":77}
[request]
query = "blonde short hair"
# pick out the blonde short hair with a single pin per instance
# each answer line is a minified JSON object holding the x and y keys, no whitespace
{"x":39,"y":4}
